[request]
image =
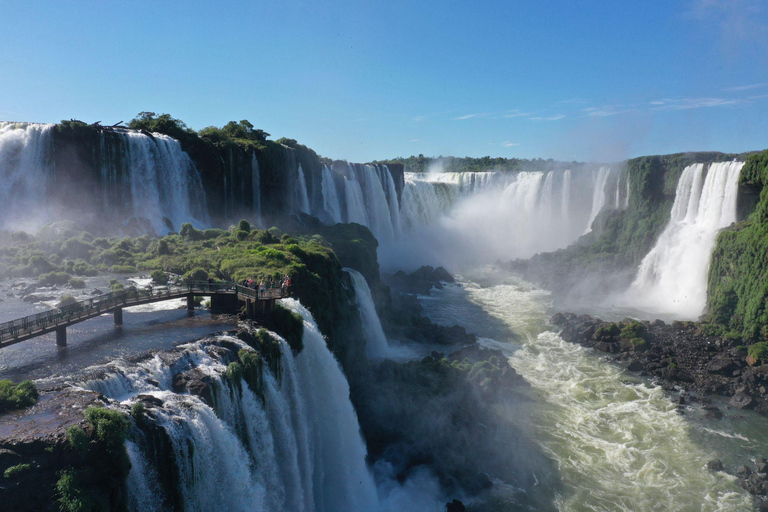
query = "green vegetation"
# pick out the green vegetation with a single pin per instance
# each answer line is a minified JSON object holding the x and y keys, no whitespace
{"x":737,"y":294}
{"x":468,"y":164}
{"x":77,"y":283}
{"x":53,"y":278}
{"x":633,"y":330}
{"x":17,"y":396}
{"x":159,"y":277}
{"x":759,"y":351}
{"x":16,"y":470}
{"x":620,"y":238}
{"x":66,"y":300}
{"x":290,"y":325}
{"x":96,"y":481}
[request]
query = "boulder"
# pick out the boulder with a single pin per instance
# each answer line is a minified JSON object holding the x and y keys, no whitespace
{"x":742,"y":401}
{"x":455,"y":506}
{"x":711,"y":411}
{"x":715,"y":465}
{"x":722,"y":364}
{"x":195,"y":382}
{"x":635,"y":366}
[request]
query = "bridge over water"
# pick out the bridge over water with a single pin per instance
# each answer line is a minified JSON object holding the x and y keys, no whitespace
{"x":226,"y":297}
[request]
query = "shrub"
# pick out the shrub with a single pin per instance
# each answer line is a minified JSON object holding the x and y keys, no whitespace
{"x":759,"y":351}
{"x":198,"y":274}
{"x":16,"y":470}
{"x":66,"y":300}
{"x":234,"y":372}
{"x":163,"y":248}
{"x":122,"y":269}
{"x":244,"y":225}
{"x":110,"y":426}
{"x":138,"y":412}
{"x":289,"y":325}
{"x":53,"y":278}
{"x":17,"y":396}
{"x":77,"y":283}
{"x":82,"y":268}
{"x":251,"y":368}
{"x":77,"y":438}
{"x":607,"y":330}
{"x":633,"y":330}
{"x":159,"y":277}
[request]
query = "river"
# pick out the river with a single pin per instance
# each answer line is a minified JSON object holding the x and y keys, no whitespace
{"x":618,"y":440}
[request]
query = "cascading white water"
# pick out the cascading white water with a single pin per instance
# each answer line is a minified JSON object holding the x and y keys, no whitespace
{"x":454,"y":217}
{"x":303,"y":196}
{"x":25,"y":167}
{"x":376,"y":345}
{"x":256,"y":187}
{"x":672,"y":277}
{"x":341,"y":479}
{"x":394,"y":204}
{"x":330,"y":197}
{"x":164,"y":181}
{"x":379,"y":217}
{"x":598,"y":195}
{"x":298,"y":449}
{"x":355,"y":204}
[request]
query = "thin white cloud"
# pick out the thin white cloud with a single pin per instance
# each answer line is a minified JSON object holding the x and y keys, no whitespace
{"x":419,"y":119}
{"x":469,"y":116}
{"x":553,"y":118}
{"x":759,"y":97}
{"x":739,"y":21}
{"x":516,"y":113}
{"x":606,"y":111}
{"x":746,"y":87}
{"x":691,"y":103}
{"x":510,"y":144}
{"x":415,"y":140}
{"x":575,"y":101}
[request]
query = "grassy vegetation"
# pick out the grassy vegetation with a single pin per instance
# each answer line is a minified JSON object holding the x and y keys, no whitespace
{"x":17,"y":396}
{"x":16,"y":470}
{"x":738,"y":275}
{"x":96,"y":481}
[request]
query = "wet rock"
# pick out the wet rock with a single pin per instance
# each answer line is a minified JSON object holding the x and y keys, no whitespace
{"x":742,"y":401}
{"x":722,"y":364}
{"x":743,"y":471}
{"x":635,"y":366}
{"x":711,"y":411}
{"x":715,"y":465}
{"x":455,"y":506}
{"x":195,"y":382}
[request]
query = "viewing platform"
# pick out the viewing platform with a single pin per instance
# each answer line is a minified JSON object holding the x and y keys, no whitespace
{"x":226,"y":297}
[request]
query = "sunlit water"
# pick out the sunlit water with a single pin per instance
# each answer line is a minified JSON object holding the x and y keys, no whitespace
{"x":618,"y":441}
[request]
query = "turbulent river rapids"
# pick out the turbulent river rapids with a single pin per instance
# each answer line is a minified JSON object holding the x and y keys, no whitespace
{"x":618,"y":441}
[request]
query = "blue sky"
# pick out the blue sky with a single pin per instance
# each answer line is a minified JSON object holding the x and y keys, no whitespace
{"x":588,"y":80}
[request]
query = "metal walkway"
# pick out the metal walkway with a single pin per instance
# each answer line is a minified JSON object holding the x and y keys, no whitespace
{"x":57,"y":320}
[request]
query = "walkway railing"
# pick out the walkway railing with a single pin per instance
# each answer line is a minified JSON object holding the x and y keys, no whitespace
{"x":109,"y":301}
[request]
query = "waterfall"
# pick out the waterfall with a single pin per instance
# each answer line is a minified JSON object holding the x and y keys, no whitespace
{"x":298,"y":448}
{"x":598,"y":194}
{"x":302,"y":191}
{"x":26,"y":152}
{"x":355,"y":204}
{"x":673,"y":275}
{"x":256,"y":187}
{"x":330,"y":197}
{"x":376,"y":346}
{"x":342,"y":481}
{"x":394,"y":205}
{"x":163,"y":181}
{"x":376,"y":203}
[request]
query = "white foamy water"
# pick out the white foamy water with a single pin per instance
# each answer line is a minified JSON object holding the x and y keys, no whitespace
{"x":672,"y":277}
{"x":26,"y":151}
{"x":618,"y":445}
{"x":376,"y":345}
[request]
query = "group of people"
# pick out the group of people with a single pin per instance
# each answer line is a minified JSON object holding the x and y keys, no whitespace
{"x":264,"y":283}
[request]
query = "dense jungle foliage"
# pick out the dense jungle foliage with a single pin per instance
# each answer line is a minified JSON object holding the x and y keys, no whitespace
{"x":738,"y":275}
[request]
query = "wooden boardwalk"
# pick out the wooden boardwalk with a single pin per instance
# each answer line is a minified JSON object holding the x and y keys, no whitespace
{"x":228,"y":294}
